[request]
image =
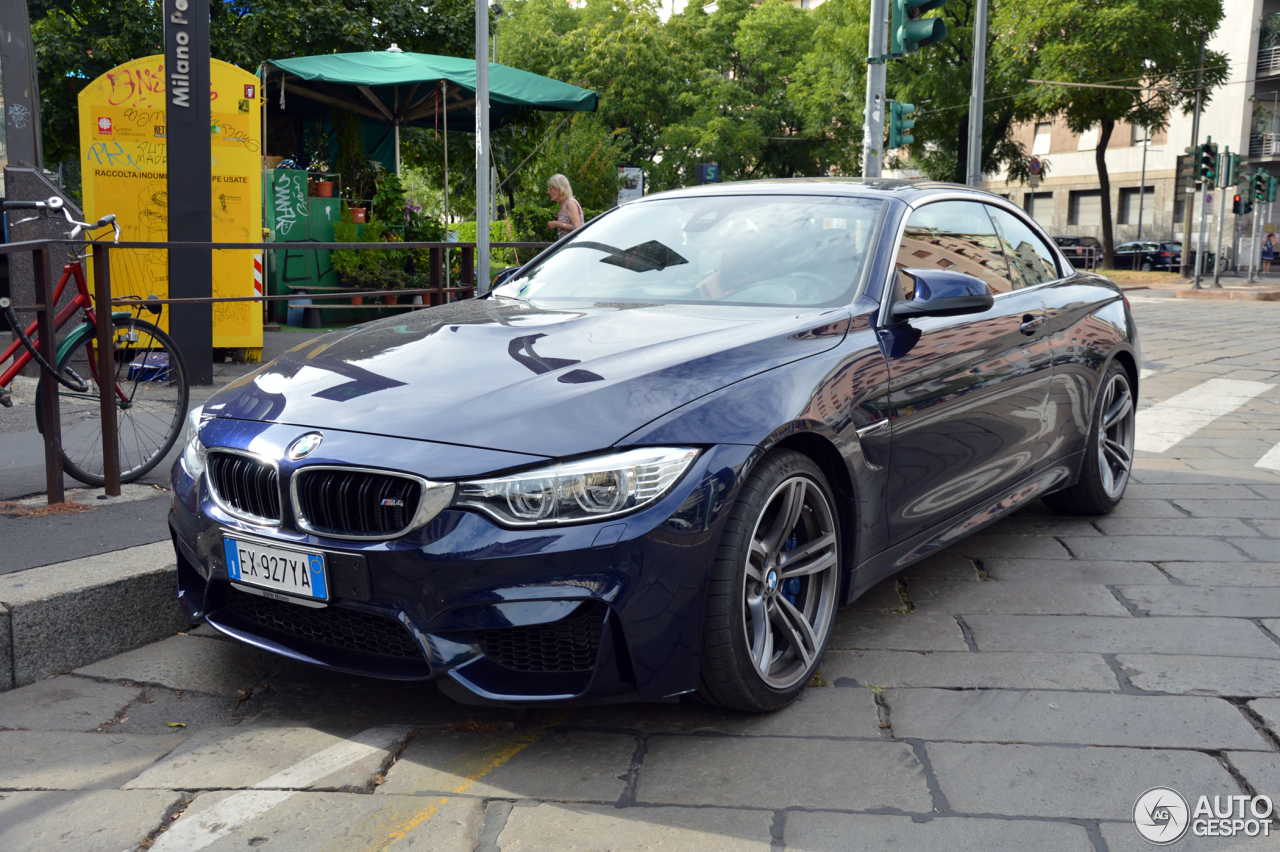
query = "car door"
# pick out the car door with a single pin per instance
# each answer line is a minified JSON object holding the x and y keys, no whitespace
{"x":967,"y":393}
{"x":1128,"y":255}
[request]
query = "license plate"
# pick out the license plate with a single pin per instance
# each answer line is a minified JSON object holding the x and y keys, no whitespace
{"x":275,"y":568}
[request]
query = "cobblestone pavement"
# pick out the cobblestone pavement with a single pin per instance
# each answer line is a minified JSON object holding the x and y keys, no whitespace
{"x":1016,"y":692}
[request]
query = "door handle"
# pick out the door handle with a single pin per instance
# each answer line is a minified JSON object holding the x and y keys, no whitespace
{"x":1030,"y":324}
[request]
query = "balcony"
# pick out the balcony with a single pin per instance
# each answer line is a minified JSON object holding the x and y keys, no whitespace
{"x":1264,"y":145}
{"x":1269,"y":45}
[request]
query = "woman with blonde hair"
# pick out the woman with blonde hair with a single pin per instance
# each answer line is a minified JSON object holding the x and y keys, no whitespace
{"x":561,"y":193}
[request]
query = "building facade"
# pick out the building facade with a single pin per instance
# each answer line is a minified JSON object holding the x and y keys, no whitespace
{"x":1147,"y":201}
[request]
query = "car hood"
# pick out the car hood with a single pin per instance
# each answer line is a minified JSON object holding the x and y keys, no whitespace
{"x":544,"y":378}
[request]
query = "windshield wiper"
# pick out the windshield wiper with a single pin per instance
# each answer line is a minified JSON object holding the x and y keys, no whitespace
{"x":639,"y":258}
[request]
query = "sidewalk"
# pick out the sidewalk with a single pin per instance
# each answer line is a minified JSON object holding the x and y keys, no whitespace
{"x":138,"y":517}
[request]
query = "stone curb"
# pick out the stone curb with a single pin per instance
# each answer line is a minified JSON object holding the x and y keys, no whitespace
{"x":1231,"y":294}
{"x":63,"y":616}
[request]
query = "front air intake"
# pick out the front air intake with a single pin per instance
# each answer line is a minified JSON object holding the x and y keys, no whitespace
{"x":245,"y":486}
{"x":355,"y":503}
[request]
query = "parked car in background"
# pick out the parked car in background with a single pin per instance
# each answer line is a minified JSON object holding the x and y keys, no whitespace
{"x":1148,"y":256}
{"x":1084,"y":252}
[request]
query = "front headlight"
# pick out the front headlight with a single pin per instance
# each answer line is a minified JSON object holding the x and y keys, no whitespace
{"x":575,"y":492}
{"x":193,"y":452}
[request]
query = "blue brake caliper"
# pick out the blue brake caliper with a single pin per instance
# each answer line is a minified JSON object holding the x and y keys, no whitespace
{"x":791,"y":588}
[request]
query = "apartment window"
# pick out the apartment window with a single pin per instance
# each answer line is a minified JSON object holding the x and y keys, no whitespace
{"x":1088,"y":140}
{"x":1085,"y":208}
{"x":1129,"y":202}
{"x":1039,"y":206}
{"x":1139,"y":135}
{"x":1179,"y":207}
{"x":1041,"y":144}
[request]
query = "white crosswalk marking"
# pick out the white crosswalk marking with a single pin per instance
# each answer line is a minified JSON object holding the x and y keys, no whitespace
{"x":192,"y":833}
{"x":1179,"y":417}
{"x":1146,"y":373}
{"x":1271,"y":461}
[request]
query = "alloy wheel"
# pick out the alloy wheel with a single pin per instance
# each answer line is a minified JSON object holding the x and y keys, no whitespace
{"x":1115,"y":435}
{"x":790,"y":582}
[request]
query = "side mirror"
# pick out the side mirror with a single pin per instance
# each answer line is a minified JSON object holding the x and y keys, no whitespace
{"x":503,"y":277}
{"x":939,"y":293}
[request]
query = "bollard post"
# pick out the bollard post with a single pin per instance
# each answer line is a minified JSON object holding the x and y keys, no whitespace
{"x":437,"y":276}
{"x":50,"y":415}
{"x":106,"y":371}
{"x":468,"y":276}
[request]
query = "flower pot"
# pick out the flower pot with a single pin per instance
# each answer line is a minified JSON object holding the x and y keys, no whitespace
{"x":357,"y":300}
{"x":324,"y":189}
{"x":358,"y":214}
{"x":391,"y":299}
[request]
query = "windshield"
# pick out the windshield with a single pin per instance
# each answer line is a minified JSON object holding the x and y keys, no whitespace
{"x":756,"y":250}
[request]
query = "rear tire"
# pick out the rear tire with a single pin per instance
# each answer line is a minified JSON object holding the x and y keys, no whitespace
{"x":1146,"y":267}
{"x":773,"y":589}
{"x":1108,"y":457}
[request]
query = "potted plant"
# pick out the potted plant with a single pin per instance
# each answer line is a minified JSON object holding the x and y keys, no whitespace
{"x":348,"y":263}
{"x":318,"y":147}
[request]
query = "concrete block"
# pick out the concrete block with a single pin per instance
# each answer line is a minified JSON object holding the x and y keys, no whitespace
{"x":72,"y":613}
{"x":1073,"y":571}
{"x":596,"y":828}
{"x":528,"y":764}
{"x":1123,"y":837}
{"x":914,"y":632}
{"x":82,"y":820}
{"x":236,"y":757}
{"x":1205,"y":527}
{"x":816,"y":713}
{"x":1260,"y":769}
{"x":64,"y":703}
{"x":58,"y":760}
{"x":1083,"y":718}
{"x":818,"y":832}
{"x":1269,"y":710}
{"x":1229,"y":601}
{"x":1191,"y":675}
{"x":1219,"y":574}
{"x":332,"y":822}
{"x":1071,"y":783}
{"x":986,"y":546}
{"x":1252,"y":509}
{"x":943,"y":596}
{"x":766,"y":772}
{"x":964,"y":670}
{"x":1150,"y":548}
{"x":1225,"y":637}
{"x":203,"y":665}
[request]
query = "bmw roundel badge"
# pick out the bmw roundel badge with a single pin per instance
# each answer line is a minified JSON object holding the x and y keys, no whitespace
{"x":304,"y":446}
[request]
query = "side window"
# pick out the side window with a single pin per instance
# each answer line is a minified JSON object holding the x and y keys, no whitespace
{"x":1031,"y":262}
{"x":955,"y":235}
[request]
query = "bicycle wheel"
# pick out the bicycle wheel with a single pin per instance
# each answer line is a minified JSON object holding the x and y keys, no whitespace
{"x":151,"y":402}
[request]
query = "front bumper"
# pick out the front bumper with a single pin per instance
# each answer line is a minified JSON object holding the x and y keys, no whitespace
{"x":585,"y":611}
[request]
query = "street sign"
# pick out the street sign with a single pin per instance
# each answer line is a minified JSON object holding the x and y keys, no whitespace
{"x":1035,"y":166}
{"x":1208,"y":199}
{"x":706,"y":173}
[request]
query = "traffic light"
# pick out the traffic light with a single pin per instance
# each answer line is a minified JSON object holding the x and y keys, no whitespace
{"x":899,"y":125}
{"x":1260,"y":186}
{"x":1208,"y":162}
{"x":909,"y":32}
{"x":1246,"y":203}
{"x":1231,"y":170}
{"x":1189,"y":164}
{"x":1237,"y":204}
{"x":1273,"y":183}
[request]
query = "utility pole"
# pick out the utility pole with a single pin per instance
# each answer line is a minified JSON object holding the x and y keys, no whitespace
{"x":482,"y":147}
{"x":1225,"y":179}
{"x":976,"y":95}
{"x":1189,"y":207}
{"x":873,"y":125}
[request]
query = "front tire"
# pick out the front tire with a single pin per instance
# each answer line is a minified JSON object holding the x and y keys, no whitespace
{"x":772,"y":595}
{"x":1108,"y":457}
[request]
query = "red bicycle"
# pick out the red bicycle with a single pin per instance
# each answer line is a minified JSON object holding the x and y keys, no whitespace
{"x":150,"y":381}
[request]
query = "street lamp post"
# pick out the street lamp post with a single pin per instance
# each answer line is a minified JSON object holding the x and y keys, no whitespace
{"x":482,"y":147}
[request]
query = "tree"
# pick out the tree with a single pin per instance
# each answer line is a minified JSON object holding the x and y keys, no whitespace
{"x":938,"y":80}
{"x":1120,"y":42}
{"x":77,"y":41}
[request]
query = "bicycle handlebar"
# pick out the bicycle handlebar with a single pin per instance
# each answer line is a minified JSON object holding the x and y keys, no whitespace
{"x":55,"y":204}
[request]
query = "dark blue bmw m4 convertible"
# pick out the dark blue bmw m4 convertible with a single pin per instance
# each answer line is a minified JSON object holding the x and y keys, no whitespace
{"x":657,"y":458}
